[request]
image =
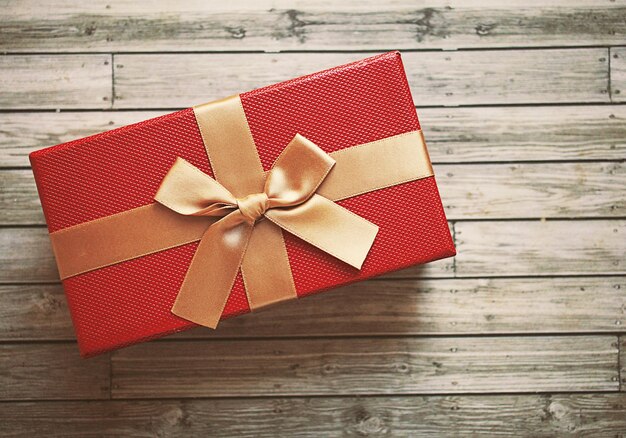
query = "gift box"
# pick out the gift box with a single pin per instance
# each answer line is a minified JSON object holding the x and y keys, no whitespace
{"x":213,"y":211}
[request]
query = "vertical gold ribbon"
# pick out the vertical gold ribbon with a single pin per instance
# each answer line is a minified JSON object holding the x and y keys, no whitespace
{"x":236,"y":164}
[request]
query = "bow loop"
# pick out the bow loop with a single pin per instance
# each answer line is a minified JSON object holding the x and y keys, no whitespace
{"x":297,"y":173}
{"x":189,"y":191}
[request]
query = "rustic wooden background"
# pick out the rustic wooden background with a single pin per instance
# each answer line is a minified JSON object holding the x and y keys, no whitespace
{"x":522,"y":334}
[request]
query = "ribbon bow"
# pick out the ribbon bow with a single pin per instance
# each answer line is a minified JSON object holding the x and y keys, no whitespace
{"x":288,"y":201}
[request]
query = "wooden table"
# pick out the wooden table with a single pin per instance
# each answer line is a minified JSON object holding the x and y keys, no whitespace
{"x":522,"y":334}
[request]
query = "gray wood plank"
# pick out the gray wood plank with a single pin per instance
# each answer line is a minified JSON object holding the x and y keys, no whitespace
{"x":462,"y":135}
{"x":26,"y":256}
{"x":53,"y":82}
{"x":381,"y":307}
{"x":459,"y":135}
{"x":540,"y":248}
{"x":486,"y":191}
{"x":618,"y":74}
{"x":51,"y":371}
{"x":489,"y":248}
{"x":22,"y":133}
{"x":19,"y":201}
{"x":120,"y":25}
{"x":34,"y":312}
{"x":565,"y":415}
{"x":513,"y":191}
{"x":622,"y":362}
{"x":436,"y":78}
{"x":365,"y":366}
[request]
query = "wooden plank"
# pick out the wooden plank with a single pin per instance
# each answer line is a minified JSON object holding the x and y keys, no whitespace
{"x":26,"y":256}
{"x":365,"y":366}
{"x":34,"y":312}
{"x":23,"y":133}
{"x":454,"y":135}
{"x":53,"y":82}
{"x":122,"y":25}
{"x":490,"y":248}
{"x":512,"y":191}
{"x":466,"y":415}
{"x":436,"y":78}
{"x":495,"y":191}
{"x":463,"y":135}
{"x":19,"y":201}
{"x":540,"y":247}
{"x":51,"y":371}
{"x":381,"y":307}
{"x":622,"y":361}
{"x":618,"y":74}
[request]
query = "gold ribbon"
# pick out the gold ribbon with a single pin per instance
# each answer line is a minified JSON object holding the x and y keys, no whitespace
{"x":238,"y":216}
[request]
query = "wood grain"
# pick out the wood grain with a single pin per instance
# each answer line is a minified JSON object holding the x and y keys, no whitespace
{"x":513,"y":191}
{"x":53,"y":82}
{"x":618,"y":74}
{"x":51,"y":371}
{"x":19,"y":200}
{"x":26,"y":256}
{"x":436,"y":78}
{"x":509,"y":134}
{"x":496,"y":191}
{"x":490,"y":248}
{"x":454,"y":135}
{"x":122,"y":25}
{"x":365,"y":366}
{"x":418,"y":416}
{"x":528,"y":135}
{"x":622,"y":363}
{"x":376,"y":307}
{"x":540,"y":248}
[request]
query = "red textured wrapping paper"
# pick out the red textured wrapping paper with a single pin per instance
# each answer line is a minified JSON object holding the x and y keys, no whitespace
{"x":118,"y":170}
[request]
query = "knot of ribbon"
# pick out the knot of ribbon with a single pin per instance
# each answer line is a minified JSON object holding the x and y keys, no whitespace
{"x":288,"y":201}
{"x":253,"y":206}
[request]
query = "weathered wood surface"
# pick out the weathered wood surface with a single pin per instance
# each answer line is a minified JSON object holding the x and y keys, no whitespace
{"x":618,"y":74}
{"x":490,"y":248}
{"x":540,"y":248}
{"x":181,"y":80}
{"x":527,"y":306}
{"x":365,"y":366}
{"x":436,"y":78}
{"x":53,"y":82}
{"x":51,"y":371}
{"x":496,"y":191}
{"x":510,"y":191}
{"x":594,"y":415}
{"x":622,"y":362}
{"x":123,"y":25}
{"x":454,"y":135}
{"x":376,"y":307}
{"x":312,"y":367}
{"x":26,"y":256}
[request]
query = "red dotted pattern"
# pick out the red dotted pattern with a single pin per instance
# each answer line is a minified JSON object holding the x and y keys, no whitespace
{"x":121,"y":169}
{"x":114,"y":171}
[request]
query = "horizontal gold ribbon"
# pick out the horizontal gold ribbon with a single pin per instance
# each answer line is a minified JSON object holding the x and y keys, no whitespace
{"x":297,"y":195}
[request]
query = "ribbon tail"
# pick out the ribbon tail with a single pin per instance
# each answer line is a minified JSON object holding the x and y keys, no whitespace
{"x":329,"y":227}
{"x":265,"y":269}
{"x":213,"y":270}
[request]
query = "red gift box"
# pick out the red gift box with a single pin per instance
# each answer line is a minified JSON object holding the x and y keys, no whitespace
{"x":119,"y":170}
